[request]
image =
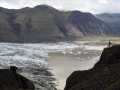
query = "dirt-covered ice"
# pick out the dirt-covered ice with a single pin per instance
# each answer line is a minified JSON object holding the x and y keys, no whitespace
{"x":31,"y":60}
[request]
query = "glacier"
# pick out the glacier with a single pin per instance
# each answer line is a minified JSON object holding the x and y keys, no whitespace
{"x":31,"y":60}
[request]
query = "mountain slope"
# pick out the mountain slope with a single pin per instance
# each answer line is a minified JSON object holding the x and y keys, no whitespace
{"x":89,"y":25}
{"x":113,"y":19}
{"x":45,"y":23}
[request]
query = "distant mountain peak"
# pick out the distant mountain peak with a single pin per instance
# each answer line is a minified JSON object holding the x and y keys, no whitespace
{"x":44,"y":6}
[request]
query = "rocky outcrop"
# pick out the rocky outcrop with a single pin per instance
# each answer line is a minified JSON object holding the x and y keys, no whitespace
{"x":105,"y":75}
{"x":10,"y":80}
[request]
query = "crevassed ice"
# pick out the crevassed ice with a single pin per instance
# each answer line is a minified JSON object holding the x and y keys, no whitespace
{"x":30,"y":58}
{"x":30,"y":54}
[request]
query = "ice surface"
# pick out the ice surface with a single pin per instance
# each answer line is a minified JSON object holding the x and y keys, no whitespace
{"x":31,"y":59}
{"x":27,"y":54}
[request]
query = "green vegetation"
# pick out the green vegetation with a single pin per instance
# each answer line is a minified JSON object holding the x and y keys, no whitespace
{"x":109,"y":17}
{"x":113,"y":19}
{"x":45,"y":23}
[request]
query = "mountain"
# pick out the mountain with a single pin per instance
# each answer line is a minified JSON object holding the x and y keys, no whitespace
{"x":45,"y":23}
{"x":105,"y":75}
{"x":113,"y":19}
{"x":110,"y":18}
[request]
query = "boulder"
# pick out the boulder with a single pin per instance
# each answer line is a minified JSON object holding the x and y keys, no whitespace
{"x":10,"y":80}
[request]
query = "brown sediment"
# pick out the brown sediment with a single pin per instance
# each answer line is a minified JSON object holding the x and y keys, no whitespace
{"x":63,"y":65}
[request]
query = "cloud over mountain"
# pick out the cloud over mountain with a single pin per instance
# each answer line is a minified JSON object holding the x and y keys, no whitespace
{"x":93,"y":6}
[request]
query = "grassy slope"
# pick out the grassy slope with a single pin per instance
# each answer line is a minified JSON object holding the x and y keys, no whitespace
{"x":111,"y":19}
{"x":44,"y":23}
{"x":5,"y":29}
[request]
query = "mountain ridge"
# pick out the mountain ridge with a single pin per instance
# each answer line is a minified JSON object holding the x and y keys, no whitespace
{"x":112,"y":19}
{"x":45,"y":23}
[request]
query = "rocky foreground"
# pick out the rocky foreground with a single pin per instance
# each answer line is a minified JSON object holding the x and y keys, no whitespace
{"x":10,"y":80}
{"x":105,"y":75}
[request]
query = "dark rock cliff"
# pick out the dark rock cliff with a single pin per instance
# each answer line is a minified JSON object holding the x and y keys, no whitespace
{"x":105,"y":75}
{"x":10,"y":80}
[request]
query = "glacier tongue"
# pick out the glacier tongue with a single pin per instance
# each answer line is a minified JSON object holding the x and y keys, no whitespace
{"x":31,"y":60}
{"x":29,"y":54}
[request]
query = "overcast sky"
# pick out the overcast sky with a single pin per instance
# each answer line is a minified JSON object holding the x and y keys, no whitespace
{"x":93,"y":6}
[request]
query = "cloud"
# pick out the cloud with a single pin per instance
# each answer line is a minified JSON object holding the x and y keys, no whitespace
{"x":93,"y":6}
{"x":103,"y":1}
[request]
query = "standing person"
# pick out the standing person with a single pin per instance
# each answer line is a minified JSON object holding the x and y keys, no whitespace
{"x":109,"y":44}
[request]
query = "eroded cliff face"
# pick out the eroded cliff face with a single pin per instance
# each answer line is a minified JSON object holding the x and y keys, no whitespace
{"x":105,"y":75}
{"x":89,"y":25}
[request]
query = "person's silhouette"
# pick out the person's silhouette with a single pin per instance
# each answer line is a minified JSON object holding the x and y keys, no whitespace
{"x":109,"y":44}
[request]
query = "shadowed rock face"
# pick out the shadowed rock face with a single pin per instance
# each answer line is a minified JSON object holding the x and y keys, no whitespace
{"x":105,"y":75}
{"x":89,"y":25}
{"x":10,"y":80}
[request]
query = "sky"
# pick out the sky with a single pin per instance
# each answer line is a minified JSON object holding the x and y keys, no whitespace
{"x":92,"y":6}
